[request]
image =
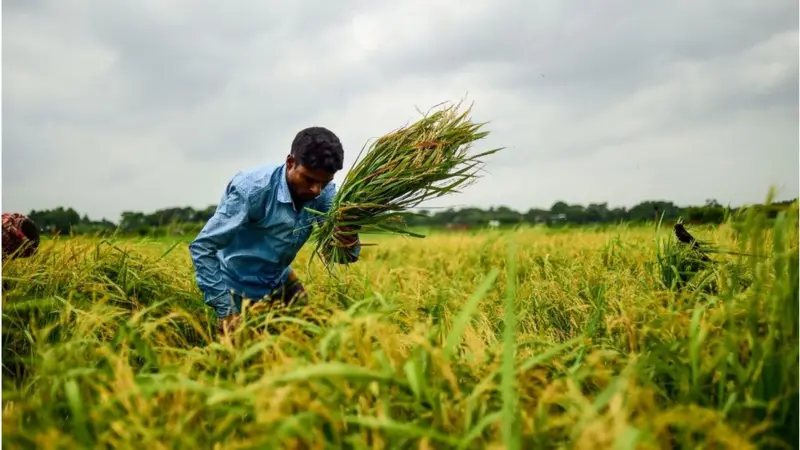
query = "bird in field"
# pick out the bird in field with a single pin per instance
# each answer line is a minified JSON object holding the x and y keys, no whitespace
{"x":685,"y":237}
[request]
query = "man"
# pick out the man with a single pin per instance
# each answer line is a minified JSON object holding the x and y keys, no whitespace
{"x":246,"y":248}
{"x":20,"y":236}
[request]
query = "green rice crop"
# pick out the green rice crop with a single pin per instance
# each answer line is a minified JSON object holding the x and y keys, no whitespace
{"x":491,"y":339}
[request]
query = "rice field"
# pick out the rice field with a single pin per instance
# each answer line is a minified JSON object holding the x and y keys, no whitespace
{"x":521,"y":339}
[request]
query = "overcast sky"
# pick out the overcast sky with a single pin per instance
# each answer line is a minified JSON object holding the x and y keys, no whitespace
{"x":139,"y":105}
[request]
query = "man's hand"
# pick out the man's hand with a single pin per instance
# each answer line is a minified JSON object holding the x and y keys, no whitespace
{"x":347,"y":236}
{"x":347,"y":239}
{"x":228,"y":324}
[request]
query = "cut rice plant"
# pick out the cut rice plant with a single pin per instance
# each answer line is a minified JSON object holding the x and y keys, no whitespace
{"x":400,"y":170}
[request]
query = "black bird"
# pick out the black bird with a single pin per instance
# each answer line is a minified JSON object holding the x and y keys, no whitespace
{"x":685,"y":237}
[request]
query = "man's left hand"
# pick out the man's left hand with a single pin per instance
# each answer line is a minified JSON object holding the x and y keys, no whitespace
{"x":347,"y":239}
{"x":347,"y":236}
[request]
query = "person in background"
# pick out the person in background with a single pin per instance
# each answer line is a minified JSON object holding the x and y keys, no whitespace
{"x":246,"y":248}
{"x":20,"y":236}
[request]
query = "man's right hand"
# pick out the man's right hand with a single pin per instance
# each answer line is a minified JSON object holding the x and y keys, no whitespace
{"x":228,"y":324}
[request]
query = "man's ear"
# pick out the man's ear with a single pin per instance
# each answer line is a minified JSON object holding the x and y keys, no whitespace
{"x":290,"y":161}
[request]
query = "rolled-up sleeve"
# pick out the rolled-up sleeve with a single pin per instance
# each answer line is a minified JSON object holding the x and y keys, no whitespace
{"x":218,"y":232}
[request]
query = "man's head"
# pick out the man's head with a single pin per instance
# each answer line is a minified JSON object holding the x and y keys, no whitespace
{"x":316,"y":156}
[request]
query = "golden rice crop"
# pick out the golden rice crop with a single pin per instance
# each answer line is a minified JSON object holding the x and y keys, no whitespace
{"x":533,"y":338}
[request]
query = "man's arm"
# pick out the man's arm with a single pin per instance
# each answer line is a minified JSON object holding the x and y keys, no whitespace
{"x":231,"y":213}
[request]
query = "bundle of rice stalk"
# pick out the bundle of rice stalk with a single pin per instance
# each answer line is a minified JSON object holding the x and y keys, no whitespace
{"x":425,"y":160}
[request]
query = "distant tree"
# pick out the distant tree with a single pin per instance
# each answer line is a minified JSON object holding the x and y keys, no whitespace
{"x":187,"y":220}
{"x":559,"y":208}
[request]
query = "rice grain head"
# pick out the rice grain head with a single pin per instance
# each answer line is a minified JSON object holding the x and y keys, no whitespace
{"x":425,"y":160}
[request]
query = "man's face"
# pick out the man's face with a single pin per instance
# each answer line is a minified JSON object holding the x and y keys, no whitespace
{"x":305,"y":184}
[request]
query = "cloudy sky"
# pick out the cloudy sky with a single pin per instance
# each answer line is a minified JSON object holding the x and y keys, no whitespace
{"x":144,"y":104}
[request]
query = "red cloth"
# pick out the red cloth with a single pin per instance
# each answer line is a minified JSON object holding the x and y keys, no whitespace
{"x":14,"y":237}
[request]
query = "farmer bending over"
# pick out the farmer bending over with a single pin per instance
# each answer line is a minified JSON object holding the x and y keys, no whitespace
{"x":246,"y":248}
{"x":20,"y":236}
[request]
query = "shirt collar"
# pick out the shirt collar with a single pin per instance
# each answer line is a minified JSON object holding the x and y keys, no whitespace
{"x":284,"y":194}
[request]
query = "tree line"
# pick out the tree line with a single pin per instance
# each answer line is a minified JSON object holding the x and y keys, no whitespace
{"x":189,"y":221}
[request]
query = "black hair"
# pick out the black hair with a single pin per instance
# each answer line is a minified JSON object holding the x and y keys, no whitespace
{"x":317,"y":148}
{"x":31,"y":231}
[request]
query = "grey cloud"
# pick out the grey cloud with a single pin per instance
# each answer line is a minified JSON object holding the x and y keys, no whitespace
{"x":220,"y":70}
{"x":588,"y":60}
{"x":593,"y":101}
{"x":618,"y":44}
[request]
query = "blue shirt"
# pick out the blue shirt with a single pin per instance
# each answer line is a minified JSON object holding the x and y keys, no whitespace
{"x":255,"y":233}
